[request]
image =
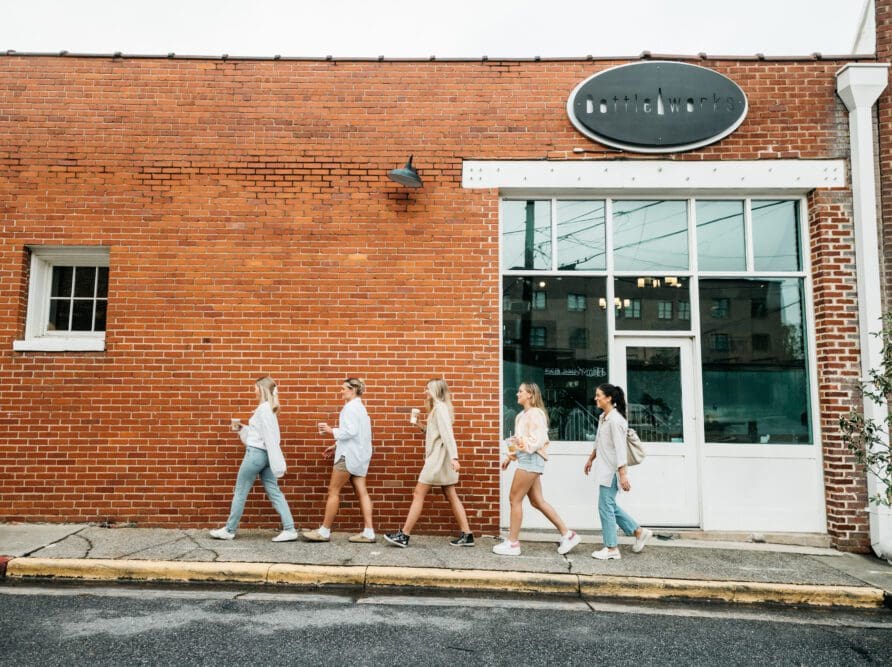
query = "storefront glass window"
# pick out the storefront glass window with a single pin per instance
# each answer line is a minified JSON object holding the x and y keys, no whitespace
{"x":563,"y":350}
{"x":653,"y":303}
{"x":650,"y":235}
{"x":755,"y":375}
{"x":526,"y":234}
{"x":580,"y":235}
{"x":776,"y":235}
{"x":720,"y":236}
{"x":653,"y":394}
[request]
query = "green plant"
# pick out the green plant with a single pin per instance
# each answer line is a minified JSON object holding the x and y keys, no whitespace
{"x":868,"y":438}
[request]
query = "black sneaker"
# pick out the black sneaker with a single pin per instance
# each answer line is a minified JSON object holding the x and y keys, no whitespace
{"x":463,"y":540}
{"x":397,"y":539}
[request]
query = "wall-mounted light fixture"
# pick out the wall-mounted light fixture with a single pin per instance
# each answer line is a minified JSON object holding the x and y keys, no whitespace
{"x":407,"y":176}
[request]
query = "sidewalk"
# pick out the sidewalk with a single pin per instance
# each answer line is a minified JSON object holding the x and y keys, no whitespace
{"x":667,"y":569}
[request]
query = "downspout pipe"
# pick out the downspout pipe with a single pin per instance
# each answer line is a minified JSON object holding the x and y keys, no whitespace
{"x":859,"y":85}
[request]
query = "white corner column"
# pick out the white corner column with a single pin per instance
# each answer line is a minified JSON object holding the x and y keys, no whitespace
{"x":859,"y":86}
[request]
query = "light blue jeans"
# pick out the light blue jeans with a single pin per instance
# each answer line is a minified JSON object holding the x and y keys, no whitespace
{"x":612,"y":514}
{"x":256,"y":462}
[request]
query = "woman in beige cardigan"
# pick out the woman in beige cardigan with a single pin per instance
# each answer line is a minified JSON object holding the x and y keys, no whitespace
{"x":440,"y":467}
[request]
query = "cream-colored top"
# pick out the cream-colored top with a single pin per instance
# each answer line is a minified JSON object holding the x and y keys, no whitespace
{"x":610,"y":445}
{"x":531,"y":428}
{"x":439,"y":448}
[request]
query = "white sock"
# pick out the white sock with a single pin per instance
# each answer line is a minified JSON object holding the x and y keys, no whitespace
{"x":324,"y":532}
{"x":567,"y":535}
{"x":369,"y":533}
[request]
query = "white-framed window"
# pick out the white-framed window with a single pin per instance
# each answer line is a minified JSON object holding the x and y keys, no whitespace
{"x":576,"y":302}
{"x":539,"y":300}
{"x":67,"y":300}
{"x":664,"y":310}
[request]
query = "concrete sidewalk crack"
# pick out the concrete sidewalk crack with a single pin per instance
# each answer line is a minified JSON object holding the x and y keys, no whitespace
{"x":155,"y":546}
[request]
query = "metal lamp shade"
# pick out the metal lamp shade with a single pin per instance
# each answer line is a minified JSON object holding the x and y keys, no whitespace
{"x":406,"y":176}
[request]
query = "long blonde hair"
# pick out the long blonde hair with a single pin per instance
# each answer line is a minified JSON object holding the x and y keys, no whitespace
{"x":535,"y":397}
{"x":269,"y":392}
{"x":439,"y":391}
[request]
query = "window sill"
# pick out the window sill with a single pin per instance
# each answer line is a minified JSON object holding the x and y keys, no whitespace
{"x":59,"y":344}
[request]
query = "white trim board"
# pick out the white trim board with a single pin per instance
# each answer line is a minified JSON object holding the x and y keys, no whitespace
{"x":655,"y":176}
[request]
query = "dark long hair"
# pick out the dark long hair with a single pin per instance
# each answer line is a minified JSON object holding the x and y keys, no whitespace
{"x":616,"y":395}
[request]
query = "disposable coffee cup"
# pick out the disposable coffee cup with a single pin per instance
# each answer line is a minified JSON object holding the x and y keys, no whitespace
{"x":320,"y":425}
{"x":235,"y":424}
{"x":413,"y":419}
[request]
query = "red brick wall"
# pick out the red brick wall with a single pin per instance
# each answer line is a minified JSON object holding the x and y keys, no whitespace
{"x":253,"y":230}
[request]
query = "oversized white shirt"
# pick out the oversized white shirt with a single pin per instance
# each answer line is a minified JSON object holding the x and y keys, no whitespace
{"x":610,"y":445}
{"x":353,"y":437}
{"x":262,"y":432}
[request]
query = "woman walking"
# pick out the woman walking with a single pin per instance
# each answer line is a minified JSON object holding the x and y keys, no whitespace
{"x":352,"y":453}
{"x":610,"y":458}
{"x":441,"y":467}
{"x":528,"y":446}
{"x":263,"y":457}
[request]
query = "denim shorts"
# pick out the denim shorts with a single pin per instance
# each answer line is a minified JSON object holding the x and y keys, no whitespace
{"x":530,"y":462}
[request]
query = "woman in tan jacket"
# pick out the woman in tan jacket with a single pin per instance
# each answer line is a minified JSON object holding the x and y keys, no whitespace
{"x":440,"y":467}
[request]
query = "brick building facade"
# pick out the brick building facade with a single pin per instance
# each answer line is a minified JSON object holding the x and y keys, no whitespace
{"x":250,"y":228}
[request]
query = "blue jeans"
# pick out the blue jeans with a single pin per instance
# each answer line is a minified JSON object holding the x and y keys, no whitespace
{"x":612,"y":514}
{"x":256,"y":462}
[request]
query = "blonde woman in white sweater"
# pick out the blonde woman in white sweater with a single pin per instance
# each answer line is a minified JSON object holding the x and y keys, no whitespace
{"x":263,"y":457}
{"x":529,"y":446}
{"x":441,"y":467}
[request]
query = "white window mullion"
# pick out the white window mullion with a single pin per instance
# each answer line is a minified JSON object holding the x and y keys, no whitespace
{"x":748,"y":233}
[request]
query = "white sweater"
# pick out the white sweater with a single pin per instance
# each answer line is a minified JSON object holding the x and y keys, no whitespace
{"x":610,"y":445}
{"x":353,"y":437}
{"x":262,"y":432}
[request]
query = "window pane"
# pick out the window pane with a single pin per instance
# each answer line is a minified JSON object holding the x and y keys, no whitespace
{"x":59,"y":314}
{"x":776,"y":235}
{"x":572,"y":359}
{"x":721,"y":244}
{"x":580,"y":235}
{"x":526,"y":235}
{"x":84,"y":281}
{"x":654,"y":393}
{"x":101,"y":307}
{"x":102,"y":288}
{"x":755,"y":378}
{"x":650,"y":303}
{"x":82,"y":315}
{"x":650,"y":235}
{"x":61,"y":281}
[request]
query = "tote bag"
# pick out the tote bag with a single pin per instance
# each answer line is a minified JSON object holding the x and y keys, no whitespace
{"x":634,"y":449}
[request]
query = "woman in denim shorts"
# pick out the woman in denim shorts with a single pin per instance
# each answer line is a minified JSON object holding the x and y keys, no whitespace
{"x":529,"y":446}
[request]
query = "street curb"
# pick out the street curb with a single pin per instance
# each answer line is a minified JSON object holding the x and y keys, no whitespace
{"x":489,"y":580}
{"x":372,"y":577}
{"x":747,"y":592}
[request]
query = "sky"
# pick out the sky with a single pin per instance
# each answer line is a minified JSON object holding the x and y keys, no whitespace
{"x":419,"y":28}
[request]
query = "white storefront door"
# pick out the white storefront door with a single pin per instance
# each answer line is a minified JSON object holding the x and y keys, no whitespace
{"x":658,"y":377}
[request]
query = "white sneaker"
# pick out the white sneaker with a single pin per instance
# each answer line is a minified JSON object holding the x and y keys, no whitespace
{"x":222,"y":534}
{"x":641,"y":540}
{"x":286,"y":536}
{"x":506,"y":548}
{"x":606,"y":554}
{"x":567,"y":543}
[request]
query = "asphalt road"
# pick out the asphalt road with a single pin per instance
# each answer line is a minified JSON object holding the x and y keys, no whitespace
{"x":52,"y":625}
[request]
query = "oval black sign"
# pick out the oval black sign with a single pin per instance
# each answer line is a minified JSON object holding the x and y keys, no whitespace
{"x":657,"y":107}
